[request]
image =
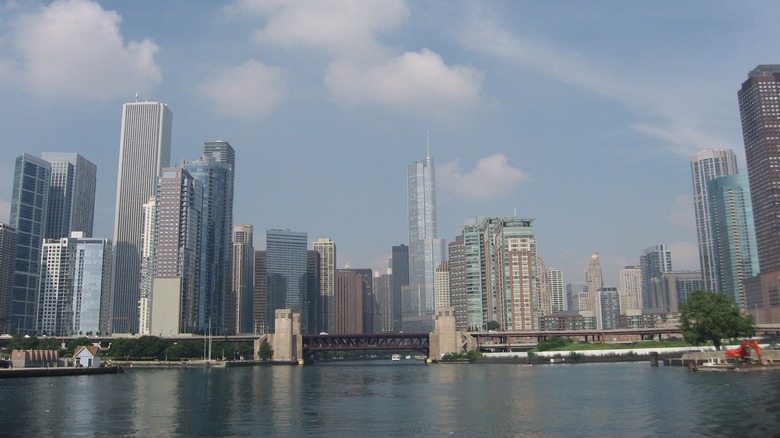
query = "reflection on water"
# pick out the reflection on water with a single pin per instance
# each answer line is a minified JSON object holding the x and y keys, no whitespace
{"x":386,"y":399}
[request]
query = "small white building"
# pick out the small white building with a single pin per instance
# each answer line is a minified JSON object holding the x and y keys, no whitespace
{"x":87,"y":356}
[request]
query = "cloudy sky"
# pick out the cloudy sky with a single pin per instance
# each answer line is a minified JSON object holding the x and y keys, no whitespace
{"x":581,"y":115}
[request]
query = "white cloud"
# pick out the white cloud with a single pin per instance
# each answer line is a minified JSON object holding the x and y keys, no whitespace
{"x":672,"y":116}
{"x":74,"y":48}
{"x":250,"y":90}
{"x":492,"y":178}
{"x":362,"y":69}
{"x":417,"y":81}
{"x":346,"y":28}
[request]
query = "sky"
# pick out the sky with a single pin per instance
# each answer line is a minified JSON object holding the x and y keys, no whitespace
{"x":580,"y":115}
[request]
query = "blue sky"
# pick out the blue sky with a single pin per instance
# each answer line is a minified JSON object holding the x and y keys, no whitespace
{"x":581,"y":115}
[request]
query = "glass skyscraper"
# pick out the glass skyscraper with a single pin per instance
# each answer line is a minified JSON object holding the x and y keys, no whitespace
{"x":75,"y":287}
{"x":706,"y":166}
{"x":426,"y":251}
{"x":29,"y":201}
{"x":71,"y":194}
{"x":215,"y":173}
{"x":654,"y":261}
{"x":286,"y":268}
{"x":734,"y":236}
{"x":144,"y":149}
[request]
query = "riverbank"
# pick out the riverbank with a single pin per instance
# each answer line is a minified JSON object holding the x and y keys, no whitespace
{"x":192,"y":363}
{"x":11,"y":373}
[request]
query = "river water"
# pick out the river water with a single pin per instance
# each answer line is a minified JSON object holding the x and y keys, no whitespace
{"x":407,"y":398}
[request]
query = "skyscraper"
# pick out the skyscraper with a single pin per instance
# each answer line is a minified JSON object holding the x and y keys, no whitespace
{"x":595,"y":281}
{"x":260,"y":313}
{"x":349,"y":302}
{"x":759,"y":109}
{"x":313,"y":300}
{"x":177,"y":254}
{"x":734,"y":236}
{"x":383,"y":292}
{"x":630,"y":288}
{"x":555,"y":290}
{"x":502,"y":281}
{"x":286,"y":266}
{"x":327,"y":250}
{"x":426,"y":251}
{"x":29,"y":201}
{"x":74,"y":296}
{"x":7,"y":265}
{"x":458,"y":290}
{"x":144,"y":149}
{"x":71,"y":194}
{"x":400,"y":269}
{"x":215,"y":171}
{"x":147,"y":266}
{"x":654,"y":261}
{"x":706,"y":166}
{"x":243,"y":277}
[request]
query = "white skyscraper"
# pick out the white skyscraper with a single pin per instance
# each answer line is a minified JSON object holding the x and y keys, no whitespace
{"x":243,"y":277}
{"x":144,"y":149}
{"x":147,"y":266}
{"x":630,"y":288}
{"x":705,"y":167}
{"x":74,"y":286}
{"x":555,"y":290}
{"x":327,"y":250}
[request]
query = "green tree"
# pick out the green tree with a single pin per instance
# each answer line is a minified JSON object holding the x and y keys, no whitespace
{"x":554,"y":343}
{"x":265,"y":352}
{"x":493,"y":325}
{"x":710,"y":316}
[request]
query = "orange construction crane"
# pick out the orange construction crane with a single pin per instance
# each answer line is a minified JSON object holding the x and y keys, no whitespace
{"x":743,"y":352}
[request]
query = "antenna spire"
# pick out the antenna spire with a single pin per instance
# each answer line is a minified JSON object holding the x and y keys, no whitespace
{"x":428,"y":141}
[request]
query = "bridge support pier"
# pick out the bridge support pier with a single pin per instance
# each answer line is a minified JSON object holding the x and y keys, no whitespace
{"x":286,"y":340}
{"x":445,"y":338}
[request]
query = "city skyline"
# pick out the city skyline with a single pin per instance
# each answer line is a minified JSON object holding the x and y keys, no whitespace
{"x":538,"y":109}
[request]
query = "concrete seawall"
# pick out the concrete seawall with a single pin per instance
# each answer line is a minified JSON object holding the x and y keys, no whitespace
{"x":57,"y":371}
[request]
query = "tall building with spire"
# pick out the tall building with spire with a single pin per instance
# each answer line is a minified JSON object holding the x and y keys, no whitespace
{"x":595,"y":280}
{"x":759,"y":110}
{"x":144,"y":149}
{"x":706,"y":166}
{"x":426,"y":250}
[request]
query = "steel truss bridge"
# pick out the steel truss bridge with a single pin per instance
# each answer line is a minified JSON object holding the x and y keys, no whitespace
{"x":382,"y":341}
